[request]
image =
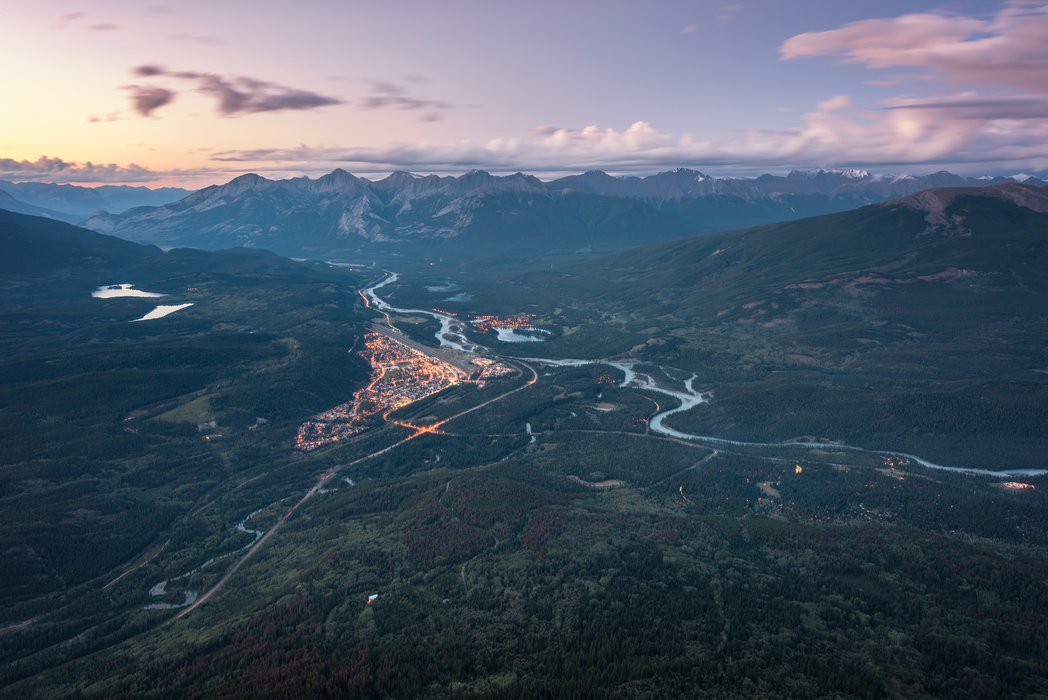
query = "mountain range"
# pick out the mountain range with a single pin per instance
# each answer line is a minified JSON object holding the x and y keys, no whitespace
{"x":481,"y":215}
{"x":917,"y":323}
{"x":73,"y":203}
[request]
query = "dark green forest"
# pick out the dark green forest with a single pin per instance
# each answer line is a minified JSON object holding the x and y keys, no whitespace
{"x":548,"y":544}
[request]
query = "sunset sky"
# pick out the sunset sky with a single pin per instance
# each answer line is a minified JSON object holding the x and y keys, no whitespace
{"x":195,"y":93}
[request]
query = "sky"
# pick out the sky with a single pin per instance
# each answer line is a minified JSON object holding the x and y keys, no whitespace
{"x":194,"y":93}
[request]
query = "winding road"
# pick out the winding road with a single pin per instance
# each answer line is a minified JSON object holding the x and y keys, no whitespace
{"x":328,"y":476}
{"x":452,"y":335}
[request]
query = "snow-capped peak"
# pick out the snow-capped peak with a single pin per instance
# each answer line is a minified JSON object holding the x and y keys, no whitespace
{"x":853,"y":173}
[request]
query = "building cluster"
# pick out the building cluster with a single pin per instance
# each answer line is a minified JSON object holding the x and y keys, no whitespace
{"x":488,"y":369}
{"x":1018,"y":485}
{"x":516,"y":322}
{"x":400,"y":375}
{"x":896,"y":462}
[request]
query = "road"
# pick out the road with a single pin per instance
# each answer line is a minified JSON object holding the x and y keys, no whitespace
{"x":148,"y":556}
{"x":327,"y":477}
{"x":689,"y":398}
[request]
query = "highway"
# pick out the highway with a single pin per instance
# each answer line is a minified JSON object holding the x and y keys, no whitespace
{"x":687,"y":399}
{"x":327,"y":477}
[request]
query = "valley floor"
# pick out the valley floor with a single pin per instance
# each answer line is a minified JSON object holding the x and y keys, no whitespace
{"x":543,"y":535}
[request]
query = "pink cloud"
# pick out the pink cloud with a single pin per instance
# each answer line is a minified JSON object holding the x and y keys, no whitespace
{"x":945,"y":132}
{"x":48,"y":169}
{"x":146,"y":99}
{"x":1006,"y":50}
{"x":234,"y":95}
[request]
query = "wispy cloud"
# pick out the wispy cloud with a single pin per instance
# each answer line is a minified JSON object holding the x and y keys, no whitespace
{"x":904,"y":134}
{"x":111,"y":117}
{"x":835,"y":133}
{"x":233,"y":95}
{"x":984,"y":81}
{"x":148,"y":70}
{"x":728,"y":12}
{"x":971,"y":105}
{"x":203,"y":39}
{"x":386,"y":95}
{"x":77,"y":18}
{"x":1007,"y":50}
{"x":145,"y":99}
{"x":48,"y":169}
{"x":60,"y":170}
{"x":68,"y":19}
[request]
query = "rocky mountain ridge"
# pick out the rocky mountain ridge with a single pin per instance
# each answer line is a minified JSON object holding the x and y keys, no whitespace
{"x":477,"y":212}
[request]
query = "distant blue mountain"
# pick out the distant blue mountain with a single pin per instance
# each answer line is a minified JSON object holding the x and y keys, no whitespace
{"x":75,"y":203}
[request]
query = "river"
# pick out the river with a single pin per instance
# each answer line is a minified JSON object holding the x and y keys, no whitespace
{"x":452,"y":334}
{"x":160,"y":589}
